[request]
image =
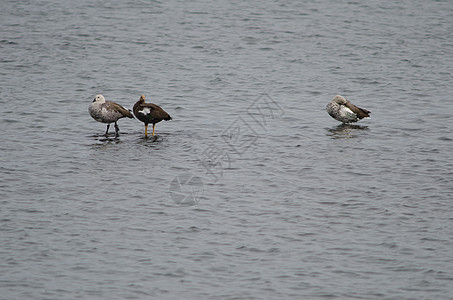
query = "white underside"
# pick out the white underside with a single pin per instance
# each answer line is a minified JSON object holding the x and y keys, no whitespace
{"x":346,"y":112}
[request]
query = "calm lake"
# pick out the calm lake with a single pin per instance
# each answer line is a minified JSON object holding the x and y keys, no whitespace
{"x":252,"y":191}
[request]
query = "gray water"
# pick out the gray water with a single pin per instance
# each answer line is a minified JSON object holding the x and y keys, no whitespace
{"x":252,"y":191}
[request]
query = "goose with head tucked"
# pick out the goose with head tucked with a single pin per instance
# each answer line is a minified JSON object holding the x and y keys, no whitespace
{"x":108,"y":112}
{"x":149,"y":113}
{"x":344,"y":111}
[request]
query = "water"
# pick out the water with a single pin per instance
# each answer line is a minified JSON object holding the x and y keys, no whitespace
{"x":252,"y":191}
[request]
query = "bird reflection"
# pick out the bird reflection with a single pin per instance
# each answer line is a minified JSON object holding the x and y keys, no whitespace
{"x":152,"y":139}
{"x":345,"y":131}
{"x":105,"y":143}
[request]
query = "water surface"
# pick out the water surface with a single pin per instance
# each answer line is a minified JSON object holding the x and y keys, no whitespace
{"x":252,"y":191}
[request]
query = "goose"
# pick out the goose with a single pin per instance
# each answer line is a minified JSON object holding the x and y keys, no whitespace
{"x":344,"y":111}
{"x":149,"y":113}
{"x":108,"y":112}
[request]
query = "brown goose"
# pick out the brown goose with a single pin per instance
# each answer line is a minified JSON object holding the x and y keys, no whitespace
{"x":108,"y":112}
{"x":344,"y":111}
{"x":149,"y":113}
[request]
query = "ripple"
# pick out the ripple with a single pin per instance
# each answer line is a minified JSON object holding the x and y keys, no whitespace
{"x":303,"y":204}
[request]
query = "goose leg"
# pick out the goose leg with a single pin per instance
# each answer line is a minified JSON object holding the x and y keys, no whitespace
{"x":107,"y":131}
{"x":117,"y":130}
{"x":146,"y":130}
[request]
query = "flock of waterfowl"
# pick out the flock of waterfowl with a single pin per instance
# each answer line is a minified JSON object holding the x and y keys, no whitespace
{"x":110,"y":112}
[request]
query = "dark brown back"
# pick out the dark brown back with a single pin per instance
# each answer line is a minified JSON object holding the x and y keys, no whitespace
{"x":156,"y":111}
{"x":360,"y":112}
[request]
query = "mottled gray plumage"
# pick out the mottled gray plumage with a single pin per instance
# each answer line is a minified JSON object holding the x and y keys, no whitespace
{"x":344,"y":111}
{"x":108,"y":112}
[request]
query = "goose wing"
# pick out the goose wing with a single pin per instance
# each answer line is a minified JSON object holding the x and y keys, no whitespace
{"x":154,"y":111}
{"x":118,"y":108}
{"x":360,"y":112}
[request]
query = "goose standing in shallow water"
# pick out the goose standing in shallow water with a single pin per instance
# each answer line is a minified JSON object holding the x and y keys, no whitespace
{"x":149,"y":113}
{"x":344,"y":111}
{"x":108,"y":112}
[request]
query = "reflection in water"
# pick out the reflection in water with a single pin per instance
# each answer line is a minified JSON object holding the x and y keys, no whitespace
{"x":345,"y":131}
{"x":152,"y":138}
{"x":150,"y":141}
{"x":103,"y":141}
